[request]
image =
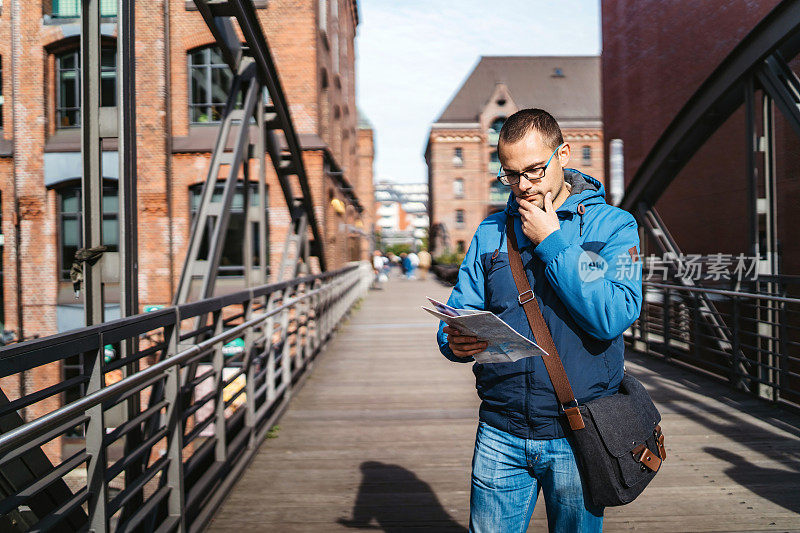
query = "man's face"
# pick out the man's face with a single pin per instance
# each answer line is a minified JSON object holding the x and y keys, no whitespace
{"x":529,"y":153}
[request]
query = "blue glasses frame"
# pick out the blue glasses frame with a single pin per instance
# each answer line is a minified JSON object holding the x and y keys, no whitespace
{"x":512,"y":178}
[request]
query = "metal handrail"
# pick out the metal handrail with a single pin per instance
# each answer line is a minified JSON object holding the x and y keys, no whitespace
{"x":753,"y":352}
{"x":283,"y":325}
{"x":724,"y":292}
{"x":50,"y":420}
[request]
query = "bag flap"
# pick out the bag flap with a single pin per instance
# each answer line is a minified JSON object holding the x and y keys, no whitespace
{"x":626,"y":419}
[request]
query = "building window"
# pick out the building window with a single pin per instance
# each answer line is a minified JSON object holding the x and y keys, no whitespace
{"x":458,"y":157}
{"x":459,"y":218}
{"x":211,"y":80}
{"x":458,"y":188}
{"x":498,"y":193}
{"x":335,"y":48}
{"x":72,"y":8}
{"x":232,"y":261}
{"x":497,"y":124}
{"x":71,"y":223}
{"x":334,"y":36}
{"x":323,"y":15}
{"x":1,"y":93}
{"x":587,"y":155}
{"x":494,"y":163}
{"x":460,"y":247}
{"x":68,"y":85}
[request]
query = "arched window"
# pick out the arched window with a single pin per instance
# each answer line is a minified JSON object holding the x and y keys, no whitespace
{"x":497,"y":124}
{"x":587,"y":155}
{"x":458,"y":157}
{"x":232,"y":261}
{"x":211,"y":80}
{"x":70,"y":222}
{"x":68,"y":85}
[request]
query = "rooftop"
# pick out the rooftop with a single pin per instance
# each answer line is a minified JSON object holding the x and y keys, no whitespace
{"x":566,"y":86}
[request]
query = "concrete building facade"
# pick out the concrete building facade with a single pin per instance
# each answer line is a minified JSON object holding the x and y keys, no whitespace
{"x":461,"y":153}
{"x":402,"y":213}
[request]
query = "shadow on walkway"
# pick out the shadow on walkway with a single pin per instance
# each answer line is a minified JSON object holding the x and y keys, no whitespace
{"x":397,"y":500}
{"x":744,"y":472}
{"x":734,"y":423}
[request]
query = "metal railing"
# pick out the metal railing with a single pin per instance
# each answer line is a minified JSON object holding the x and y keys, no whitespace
{"x":193,"y":416}
{"x":752,"y":341}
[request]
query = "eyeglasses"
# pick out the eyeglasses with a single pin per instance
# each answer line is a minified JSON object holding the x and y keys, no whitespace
{"x":534,"y":174}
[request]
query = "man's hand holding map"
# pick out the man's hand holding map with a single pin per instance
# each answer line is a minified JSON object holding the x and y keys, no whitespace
{"x":505,"y":344}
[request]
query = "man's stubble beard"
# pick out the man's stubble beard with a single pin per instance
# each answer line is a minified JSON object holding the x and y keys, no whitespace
{"x":539,"y":200}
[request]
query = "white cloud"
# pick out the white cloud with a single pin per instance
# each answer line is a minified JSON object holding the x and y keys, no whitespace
{"x":413,"y":56}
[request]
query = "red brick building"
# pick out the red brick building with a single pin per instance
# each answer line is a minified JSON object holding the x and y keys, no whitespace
{"x":181,"y":90}
{"x":462,"y":145}
{"x":655,"y":56}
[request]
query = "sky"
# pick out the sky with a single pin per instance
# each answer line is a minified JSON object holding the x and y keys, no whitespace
{"x":413,"y":55}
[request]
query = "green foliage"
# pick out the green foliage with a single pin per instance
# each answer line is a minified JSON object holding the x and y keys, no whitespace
{"x":398,"y":249}
{"x":273,"y":432}
{"x":449,"y":258}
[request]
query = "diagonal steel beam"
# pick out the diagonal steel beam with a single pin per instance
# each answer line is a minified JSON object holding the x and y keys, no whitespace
{"x":705,"y":306}
{"x":211,"y":220}
{"x":711,"y":105}
{"x":292,"y":164}
{"x":778,"y":80}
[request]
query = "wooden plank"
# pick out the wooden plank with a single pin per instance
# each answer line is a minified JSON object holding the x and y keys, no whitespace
{"x":384,"y":427}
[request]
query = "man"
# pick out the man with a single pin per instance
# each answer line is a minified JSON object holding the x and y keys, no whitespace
{"x":581,"y":257}
{"x":413,"y":263}
{"x":424,"y":263}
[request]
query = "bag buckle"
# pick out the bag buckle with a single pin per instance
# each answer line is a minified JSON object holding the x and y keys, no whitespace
{"x":528,"y":299}
{"x":573,"y":416}
{"x":646,"y":457}
{"x":662,"y":451}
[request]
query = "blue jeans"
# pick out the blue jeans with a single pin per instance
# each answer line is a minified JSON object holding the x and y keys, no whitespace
{"x":507,"y":472}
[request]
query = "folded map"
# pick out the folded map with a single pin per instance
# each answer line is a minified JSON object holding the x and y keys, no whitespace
{"x":505,"y":343}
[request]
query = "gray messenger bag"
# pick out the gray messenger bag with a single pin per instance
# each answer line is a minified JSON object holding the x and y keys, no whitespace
{"x":619,"y":445}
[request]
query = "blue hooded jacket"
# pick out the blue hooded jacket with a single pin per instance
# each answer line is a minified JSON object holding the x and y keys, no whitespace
{"x":587,"y":279}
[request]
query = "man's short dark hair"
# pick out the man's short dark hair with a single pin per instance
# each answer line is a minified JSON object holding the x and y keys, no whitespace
{"x":520,"y":123}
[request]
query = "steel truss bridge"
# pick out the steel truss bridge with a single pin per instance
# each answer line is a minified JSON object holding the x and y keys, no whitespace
{"x":747,"y":333}
{"x":194,"y":416}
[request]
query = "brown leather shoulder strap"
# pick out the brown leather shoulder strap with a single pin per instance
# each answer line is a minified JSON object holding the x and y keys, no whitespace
{"x":541,"y":332}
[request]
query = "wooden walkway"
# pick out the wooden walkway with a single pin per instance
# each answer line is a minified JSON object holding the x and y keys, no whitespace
{"x":381,"y":437}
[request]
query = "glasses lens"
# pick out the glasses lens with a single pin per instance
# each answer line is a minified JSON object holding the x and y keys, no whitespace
{"x":535,"y":174}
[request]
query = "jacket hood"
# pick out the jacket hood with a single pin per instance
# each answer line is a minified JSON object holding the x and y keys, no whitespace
{"x":585,"y":191}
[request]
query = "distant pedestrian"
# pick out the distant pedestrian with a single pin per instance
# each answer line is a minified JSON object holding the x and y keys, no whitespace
{"x":378,"y":263}
{"x":413,"y":263}
{"x":424,"y":263}
{"x":405,"y":264}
